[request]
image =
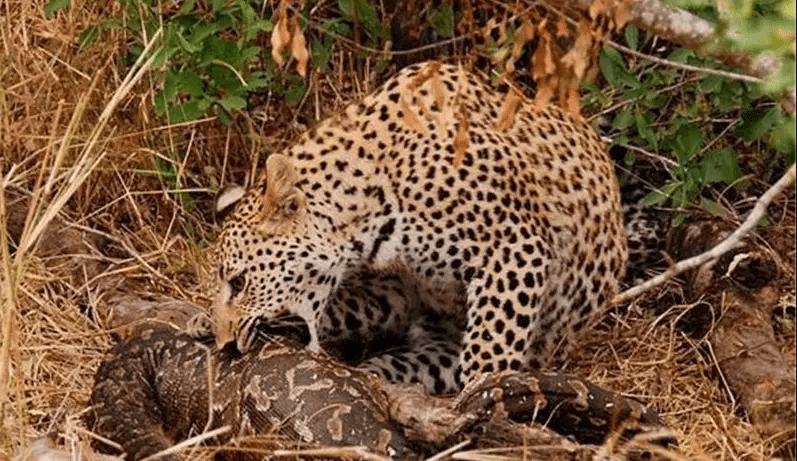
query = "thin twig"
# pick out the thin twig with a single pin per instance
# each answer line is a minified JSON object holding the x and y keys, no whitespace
{"x":686,"y":67}
{"x":666,"y":161}
{"x":354,"y":452}
{"x":368,"y":49}
{"x":188,"y":443}
{"x":723,"y":247}
{"x":448,"y":451}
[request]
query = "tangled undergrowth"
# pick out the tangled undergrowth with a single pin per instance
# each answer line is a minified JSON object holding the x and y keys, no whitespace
{"x":80,"y":134}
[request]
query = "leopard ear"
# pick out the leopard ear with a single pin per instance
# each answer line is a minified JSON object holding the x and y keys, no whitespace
{"x":226,"y":199}
{"x":282,"y":197}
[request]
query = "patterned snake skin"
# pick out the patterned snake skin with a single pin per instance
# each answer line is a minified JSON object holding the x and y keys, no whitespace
{"x":160,"y":380}
{"x":152,"y":392}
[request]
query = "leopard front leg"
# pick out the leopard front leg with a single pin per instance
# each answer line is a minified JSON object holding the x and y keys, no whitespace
{"x":504,"y":305}
{"x":433,"y":364}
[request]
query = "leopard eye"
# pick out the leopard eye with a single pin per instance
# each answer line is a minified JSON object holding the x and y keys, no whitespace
{"x":237,"y":284}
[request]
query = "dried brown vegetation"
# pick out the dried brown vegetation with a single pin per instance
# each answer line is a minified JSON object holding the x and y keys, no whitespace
{"x":82,"y":141}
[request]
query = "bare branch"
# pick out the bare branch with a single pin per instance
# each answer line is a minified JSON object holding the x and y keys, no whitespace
{"x":723,"y":247}
{"x":686,"y":67}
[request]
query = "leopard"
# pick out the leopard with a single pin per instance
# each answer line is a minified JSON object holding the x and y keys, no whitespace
{"x":502,"y":209}
{"x":378,"y":323}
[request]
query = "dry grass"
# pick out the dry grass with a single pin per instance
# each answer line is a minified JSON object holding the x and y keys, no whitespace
{"x":75,"y":130}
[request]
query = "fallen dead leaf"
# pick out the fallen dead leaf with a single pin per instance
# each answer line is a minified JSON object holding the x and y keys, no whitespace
{"x":461,"y":140}
{"x":509,"y":106}
{"x":431,"y":69}
{"x":572,"y":99}
{"x":598,"y":7}
{"x":622,"y":14}
{"x":410,"y":118}
{"x":299,"y":48}
{"x":561,"y":28}
{"x":280,"y":37}
{"x":578,"y":58}
{"x":523,"y":35}
{"x":542,"y":62}
{"x":437,"y":89}
{"x":545,"y":89}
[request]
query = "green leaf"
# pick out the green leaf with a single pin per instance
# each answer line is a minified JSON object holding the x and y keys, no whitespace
{"x":216,"y":49}
{"x":184,"y":44}
{"x":336,"y":26}
{"x":224,"y":117}
{"x":363,"y":11}
{"x":205,"y":102}
{"x":190,"y":83}
{"x":160,"y":102}
{"x":711,"y":83}
{"x":744,"y":8}
{"x":248,"y":14}
{"x":787,"y":9}
{"x":54,"y":6}
{"x":442,"y":20}
{"x":232,"y":101}
{"x":783,"y":78}
{"x":720,"y":166}
{"x":691,"y":4}
{"x":661,"y":195}
{"x":162,"y":56}
{"x":784,"y":138}
{"x":295,"y":93}
{"x":629,"y":159}
{"x":258,"y":80}
{"x":653,"y":198}
{"x":201,"y":31}
{"x":187,"y":7}
{"x":89,"y":36}
{"x":171,"y":85}
{"x":757,"y":122}
{"x":657,"y":99}
{"x":632,"y":37}
{"x":681,"y":55}
{"x":619,"y":140}
{"x":366,"y":12}
{"x":643,"y":127}
{"x":346,"y":8}
{"x":224,"y":77}
{"x":713,"y":207}
{"x":264,"y":24}
{"x":614,"y":69}
{"x":249,"y":53}
{"x":624,"y":119}
{"x":186,"y":112}
{"x":688,"y":141}
{"x":254,"y":28}
{"x":321,"y":51}
{"x":682,"y":195}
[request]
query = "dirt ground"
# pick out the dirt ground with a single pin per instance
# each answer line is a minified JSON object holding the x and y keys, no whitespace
{"x":96,"y":159}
